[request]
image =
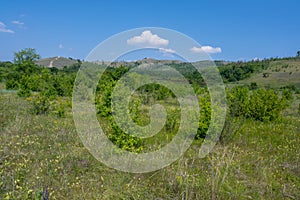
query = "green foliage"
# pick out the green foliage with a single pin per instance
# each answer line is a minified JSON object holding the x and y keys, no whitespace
{"x":238,"y":99}
{"x":24,"y":89}
{"x":40,"y":104}
{"x":11,"y":84}
{"x":155,"y":91}
{"x":26,"y":76}
{"x":265,"y":105}
{"x":5,"y":68}
{"x":205,"y":115}
{"x":261,"y":104}
{"x":287,"y":94}
{"x":290,"y":87}
{"x":27,"y":55}
{"x":23,"y":92}
{"x":103,"y":98}
{"x":190,"y":73}
{"x":103,"y":105}
{"x":241,"y":70}
{"x":60,"y":109}
{"x":105,"y":88}
{"x":253,"y":139}
{"x":173,"y":120}
{"x":253,"y":86}
{"x":124,"y":140}
{"x":45,"y":153}
{"x":134,"y":108}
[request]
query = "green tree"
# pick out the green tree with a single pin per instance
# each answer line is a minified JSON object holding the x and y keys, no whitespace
{"x":23,"y":66}
{"x":26,"y":55}
{"x":24,"y":61}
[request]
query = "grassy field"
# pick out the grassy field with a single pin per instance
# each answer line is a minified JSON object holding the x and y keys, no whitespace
{"x":279,"y":73}
{"x":43,"y":154}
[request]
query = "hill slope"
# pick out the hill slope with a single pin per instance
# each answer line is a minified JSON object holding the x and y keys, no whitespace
{"x":279,"y":73}
{"x":58,"y":62}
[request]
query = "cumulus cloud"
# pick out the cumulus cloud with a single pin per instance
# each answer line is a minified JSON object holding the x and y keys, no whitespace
{"x":4,"y":29}
{"x":206,"y":49}
{"x":147,"y":39}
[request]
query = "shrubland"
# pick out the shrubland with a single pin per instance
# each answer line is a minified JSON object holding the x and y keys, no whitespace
{"x":42,"y":156}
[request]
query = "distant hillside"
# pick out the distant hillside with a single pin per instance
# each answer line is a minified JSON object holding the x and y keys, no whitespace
{"x":269,"y":73}
{"x":279,"y":73}
{"x":58,"y":62}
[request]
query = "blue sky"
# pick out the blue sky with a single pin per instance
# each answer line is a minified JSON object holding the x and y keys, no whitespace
{"x":243,"y":30}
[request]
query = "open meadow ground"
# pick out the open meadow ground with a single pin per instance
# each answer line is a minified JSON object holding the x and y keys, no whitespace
{"x":43,"y":153}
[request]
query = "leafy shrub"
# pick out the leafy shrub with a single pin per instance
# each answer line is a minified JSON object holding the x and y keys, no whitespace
{"x":253,"y":86}
{"x":287,"y":94}
{"x":40,"y":103}
{"x":11,"y":84}
{"x":124,"y":140}
{"x":265,"y":105}
{"x":60,"y":110}
{"x":238,"y":99}
{"x":24,"y":87}
{"x":205,"y":116}
{"x":24,"y":92}
{"x":262,"y":104}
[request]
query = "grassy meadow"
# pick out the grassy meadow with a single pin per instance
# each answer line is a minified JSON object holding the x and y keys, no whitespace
{"x":42,"y":156}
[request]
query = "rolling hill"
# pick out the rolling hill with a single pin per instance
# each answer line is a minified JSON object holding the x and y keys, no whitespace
{"x":279,"y":73}
{"x":58,"y":62}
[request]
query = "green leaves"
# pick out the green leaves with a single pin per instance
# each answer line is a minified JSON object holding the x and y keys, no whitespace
{"x":27,"y":55}
{"x":205,"y":115}
{"x":261,"y":104}
{"x":40,"y":104}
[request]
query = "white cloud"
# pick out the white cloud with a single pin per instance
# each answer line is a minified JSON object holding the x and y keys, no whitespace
{"x":167,"y":52}
{"x":60,"y":46}
{"x":164,"y":50}
{"x":206,"y":49}
{"x":18,"y":22}
{"x":147,"y":39}
{"x":4,"y":29}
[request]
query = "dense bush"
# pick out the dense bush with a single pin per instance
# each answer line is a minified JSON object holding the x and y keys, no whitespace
{"x":265,"y":105}
{"x":123,"y":140}
{"x":241,"y":70}
{"x":40,"y":104}
{"x":261,"y":104}
{"x":205,"y":115}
